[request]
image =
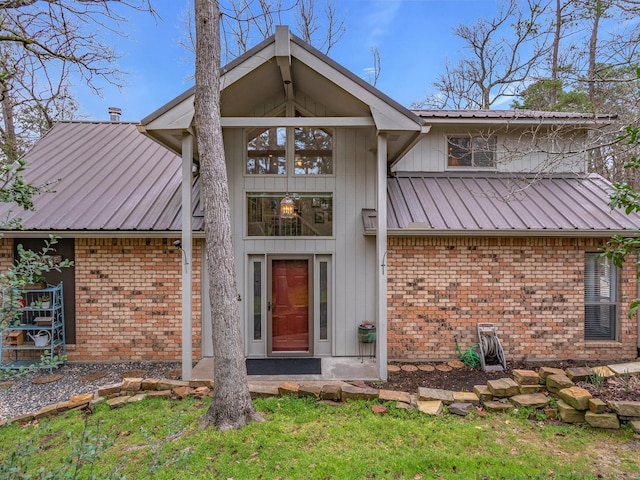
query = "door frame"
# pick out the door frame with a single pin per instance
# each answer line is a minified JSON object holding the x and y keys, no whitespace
{"x":310,"y":307}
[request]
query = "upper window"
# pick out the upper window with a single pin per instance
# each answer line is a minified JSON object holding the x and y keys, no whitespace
{"x":313,"y":152}
{"x":471,"y":151}
{"x":600,"y":298}
{"x":309,"y":151}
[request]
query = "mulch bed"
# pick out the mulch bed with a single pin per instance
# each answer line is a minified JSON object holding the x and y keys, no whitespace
{"x":465,"y":378}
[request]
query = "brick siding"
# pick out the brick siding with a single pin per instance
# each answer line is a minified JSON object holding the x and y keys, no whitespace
{"x":128,"y":300}
{"x":531,"y":288}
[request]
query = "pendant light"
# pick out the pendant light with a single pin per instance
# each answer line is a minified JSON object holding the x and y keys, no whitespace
{"x":287,"y":207}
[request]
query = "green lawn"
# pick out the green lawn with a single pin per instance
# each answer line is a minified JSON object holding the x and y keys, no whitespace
{"x":305,"y":439}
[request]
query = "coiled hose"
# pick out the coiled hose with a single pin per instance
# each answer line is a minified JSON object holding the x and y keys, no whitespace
{"x":470,"y":358}
{"x":492,"y":349}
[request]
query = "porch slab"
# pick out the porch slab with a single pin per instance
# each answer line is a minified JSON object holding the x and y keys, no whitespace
{"x":625,"y":368}
{"x":333,"y":368}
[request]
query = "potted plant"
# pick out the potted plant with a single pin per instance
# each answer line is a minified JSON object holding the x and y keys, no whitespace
{"x":37,"y":283}
{"x":367,"y":332}
{"x":45,"y":301}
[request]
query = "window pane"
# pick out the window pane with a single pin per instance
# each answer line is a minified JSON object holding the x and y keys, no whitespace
{"x":459,"y":152}
{"x":324,"y":293}
{"x":600,"y":297}
{"x":257,"y":300}
{"x":484,"y":151}
{"x":313,"y":152}
{"x":266,"y":151}
{"x":313,"y":215}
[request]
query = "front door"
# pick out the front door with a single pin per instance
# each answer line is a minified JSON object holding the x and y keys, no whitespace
{"x":289,"y":306}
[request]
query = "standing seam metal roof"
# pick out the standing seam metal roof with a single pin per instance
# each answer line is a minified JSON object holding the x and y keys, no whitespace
{"x":106,"y":177}
{"x":477,"y":203}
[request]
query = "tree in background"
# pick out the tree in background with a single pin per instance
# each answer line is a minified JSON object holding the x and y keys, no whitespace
{"x":231,"y":406}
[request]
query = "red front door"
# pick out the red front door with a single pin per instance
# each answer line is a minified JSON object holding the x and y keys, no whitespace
{"x":290,"y":318}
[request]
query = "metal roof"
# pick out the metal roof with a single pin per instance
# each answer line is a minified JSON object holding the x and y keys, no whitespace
{"x":105,"y":176}
{"x":516,"y":116}
{"x":499,"y":204}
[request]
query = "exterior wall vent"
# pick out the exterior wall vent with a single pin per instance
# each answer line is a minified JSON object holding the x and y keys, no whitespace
{"x":114,"y":114}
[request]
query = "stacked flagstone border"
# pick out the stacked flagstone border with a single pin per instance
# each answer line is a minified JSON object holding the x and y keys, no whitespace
{"x":527,"y":388}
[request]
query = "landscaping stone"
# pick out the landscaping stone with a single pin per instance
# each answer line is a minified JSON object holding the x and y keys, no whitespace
{"x":427,"y":394}
{"x":544,"y":372}
{"x":288,"y":388}
{"x":182,"y":392}
{"x":168,"y":384}
{"x":526,"y":377}
{"x":625,"y":368}
{"x":131,"y":384}
{"x":426,"y":368}
{"x":457,"y":364}
{"x":483,"y":393}
{"x":626,"y":408}
{"x":597,"y":406}
{"x":497,"y":406}
{"x":603,"y":371}
{"x":430,"y":407}
{"x":149,"y":383}
{"x":443,"y":368}
{"x":47,"y":379}
{"x":503,"y":387}
{"x":403,"y":406}
{"x":136,"y":398}
{"x":201,"y":383}
{"x":379,"y":409}
{"x":50,"y":410}
{"x":466,"y":397}
{"x":576,"y":397}
{"x":557,"y":382}
{"x":263,"y":390}
{"x":409,"y":368}
{"x":461,"y":409}
{"x":393,"y":368}
{"x":568,"y":414}
{"x":117,"y":402}
{"x":6,"y":385}
{"x":535,"y":400}
{"x":394,"y":396}
{"x":27,"y":417}
{"x":109,"y":390}
{"x":311,"y":390}
{"x":158,"y":393}
{"x":350,"y":392}
{"x":331,"y":392}
{"x":635,"y":425}
{"x":529,"y":389}
{"x":579,"y":374}
{"x":78,"y":400}
{"x":602,"y":420}
{"x":93,"y":376}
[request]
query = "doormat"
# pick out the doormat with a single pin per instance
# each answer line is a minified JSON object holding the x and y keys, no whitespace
{"x":283,"y":366}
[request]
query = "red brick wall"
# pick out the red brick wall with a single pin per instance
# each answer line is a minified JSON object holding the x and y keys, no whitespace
{"x":128,"y":300}
{"x":531,"y":288}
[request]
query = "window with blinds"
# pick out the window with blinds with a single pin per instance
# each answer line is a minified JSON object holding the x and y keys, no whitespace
{"x":600,"y":298}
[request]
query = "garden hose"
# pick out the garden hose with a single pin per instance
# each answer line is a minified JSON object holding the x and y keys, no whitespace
{"x":470,"y":358}
{"x":492,"y":349}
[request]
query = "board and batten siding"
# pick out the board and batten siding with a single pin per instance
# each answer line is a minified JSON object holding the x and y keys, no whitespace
{"x":353,"y":262}
{"x":516,"y":152}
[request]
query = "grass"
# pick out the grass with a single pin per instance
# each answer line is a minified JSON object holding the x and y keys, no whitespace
{"x":304,"y":439}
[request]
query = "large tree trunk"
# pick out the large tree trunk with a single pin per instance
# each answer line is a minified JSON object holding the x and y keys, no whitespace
{"x":231,"y":406}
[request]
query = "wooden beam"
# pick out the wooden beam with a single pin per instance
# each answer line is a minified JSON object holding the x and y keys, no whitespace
{"x":239,"y":122}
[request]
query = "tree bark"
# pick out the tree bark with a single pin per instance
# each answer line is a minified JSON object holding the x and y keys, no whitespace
{"x":231,"y":406}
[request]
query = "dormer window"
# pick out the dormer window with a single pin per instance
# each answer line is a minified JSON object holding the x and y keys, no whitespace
{"x":471,"y":151}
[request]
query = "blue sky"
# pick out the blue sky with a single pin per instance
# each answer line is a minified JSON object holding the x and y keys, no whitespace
{"x":414,"y":38}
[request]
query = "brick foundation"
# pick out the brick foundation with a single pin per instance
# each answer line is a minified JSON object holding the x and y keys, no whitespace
{"x":531,"y":288}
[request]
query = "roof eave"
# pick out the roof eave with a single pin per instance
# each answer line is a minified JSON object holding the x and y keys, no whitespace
{"x":422,"y":232}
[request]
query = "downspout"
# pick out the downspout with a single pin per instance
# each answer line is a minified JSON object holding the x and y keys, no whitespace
{"x":187,"y":247}
{"x":381,"y":250}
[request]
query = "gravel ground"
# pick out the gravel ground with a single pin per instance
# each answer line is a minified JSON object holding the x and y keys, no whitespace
{"x":19,"y":396}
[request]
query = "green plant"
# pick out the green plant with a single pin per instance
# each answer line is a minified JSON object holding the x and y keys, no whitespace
{"x":596,"y":379}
